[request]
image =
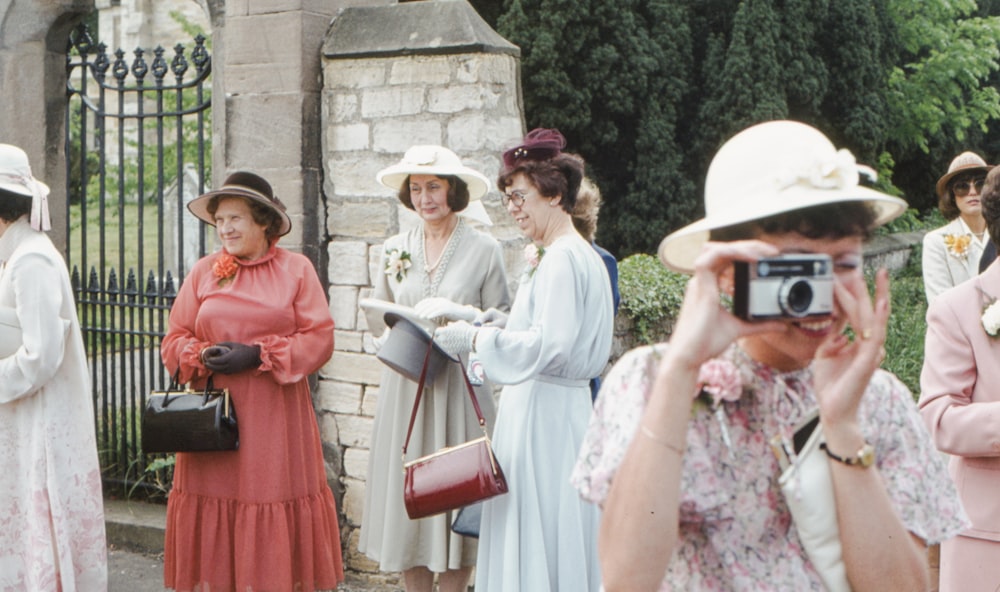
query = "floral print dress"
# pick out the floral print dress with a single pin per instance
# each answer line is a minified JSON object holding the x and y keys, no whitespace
{"x":736,"y":532}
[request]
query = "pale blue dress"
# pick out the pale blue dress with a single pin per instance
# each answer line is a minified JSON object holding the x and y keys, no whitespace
{"x":541,"y":536}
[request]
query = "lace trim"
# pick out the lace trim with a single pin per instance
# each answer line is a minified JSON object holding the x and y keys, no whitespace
{"x":431,"y":285}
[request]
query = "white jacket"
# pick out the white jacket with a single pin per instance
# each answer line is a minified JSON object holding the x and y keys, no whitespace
{"x":944,"y":266}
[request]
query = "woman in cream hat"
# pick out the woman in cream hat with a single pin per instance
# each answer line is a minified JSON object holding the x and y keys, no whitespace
{"x":951,"y":253}
{"x":52,"y":507}
{"x":446,"y":270}
{"x":254,"y":318}
{"x":679,"y":451}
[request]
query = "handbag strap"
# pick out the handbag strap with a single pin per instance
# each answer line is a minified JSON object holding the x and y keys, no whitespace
{"x":420,"y":391}
{"x":175,"y":385}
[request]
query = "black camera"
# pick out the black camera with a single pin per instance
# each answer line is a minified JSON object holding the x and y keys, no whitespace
{"x":788,"y":286}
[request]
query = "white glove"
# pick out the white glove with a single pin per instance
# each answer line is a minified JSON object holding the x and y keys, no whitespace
{"x":491,"y":318}
{"x":379,"y":341}
{"x":441,"y":309}
{"x":455,"y":338}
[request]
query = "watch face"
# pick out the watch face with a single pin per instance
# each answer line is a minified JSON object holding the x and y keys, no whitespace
{"x":866,"y":456}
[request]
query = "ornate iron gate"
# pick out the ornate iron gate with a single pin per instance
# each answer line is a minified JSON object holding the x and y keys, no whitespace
{"x":136,"y":153}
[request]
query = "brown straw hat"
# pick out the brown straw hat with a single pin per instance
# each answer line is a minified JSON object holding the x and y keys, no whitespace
{"x":963,"y":163}
{"x":246,"y":185}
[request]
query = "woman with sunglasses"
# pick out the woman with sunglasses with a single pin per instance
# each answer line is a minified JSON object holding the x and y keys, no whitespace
{"x":952,"y":252}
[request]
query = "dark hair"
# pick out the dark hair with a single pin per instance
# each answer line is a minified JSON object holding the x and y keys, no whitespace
{"x":263,"y":215}
{"x":559,"y":175}
{"x":946,"y":202}
{"x":458,"y":192}
{"x":13,"y":205}
{"x":833,"y":221}
{"x":991,"y":203}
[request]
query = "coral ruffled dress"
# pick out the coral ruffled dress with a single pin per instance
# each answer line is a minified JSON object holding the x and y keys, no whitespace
{"x":261,"y":518}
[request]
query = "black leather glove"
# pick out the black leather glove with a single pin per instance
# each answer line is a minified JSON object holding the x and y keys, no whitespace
{"x":234,"y":357}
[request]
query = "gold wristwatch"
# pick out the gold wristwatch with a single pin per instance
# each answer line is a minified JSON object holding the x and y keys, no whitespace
{"x":864,"y":457}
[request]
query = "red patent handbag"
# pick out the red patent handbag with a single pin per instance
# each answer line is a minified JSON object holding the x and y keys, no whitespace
{"x":452,"y":477}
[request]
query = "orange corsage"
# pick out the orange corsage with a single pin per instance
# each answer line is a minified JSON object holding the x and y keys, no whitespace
{"x":958,"y":245}
{"x":225,"y":268}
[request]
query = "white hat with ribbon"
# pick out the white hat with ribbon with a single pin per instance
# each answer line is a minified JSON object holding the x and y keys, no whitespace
{"x":16,"y":177}
{"x":437,"y":161}
{"x":769,"y":169}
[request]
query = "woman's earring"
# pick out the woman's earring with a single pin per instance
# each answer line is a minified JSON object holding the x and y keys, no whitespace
{"x":553,"y":203}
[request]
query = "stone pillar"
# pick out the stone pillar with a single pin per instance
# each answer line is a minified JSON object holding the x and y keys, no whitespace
{"x":266,"y":90}
{"x":430,"y":72}
{"x":33,"y":90}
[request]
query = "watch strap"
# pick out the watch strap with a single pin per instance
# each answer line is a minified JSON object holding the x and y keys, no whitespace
{"x":864,"y":457}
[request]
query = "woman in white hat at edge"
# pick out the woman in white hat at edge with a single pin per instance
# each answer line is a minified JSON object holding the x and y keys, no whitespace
{"x":679,"y":451}
{"x":51,"y":506}
{"x":447,"y":271}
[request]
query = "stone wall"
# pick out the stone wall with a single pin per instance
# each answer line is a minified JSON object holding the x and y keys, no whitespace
{"x":396,"y":76}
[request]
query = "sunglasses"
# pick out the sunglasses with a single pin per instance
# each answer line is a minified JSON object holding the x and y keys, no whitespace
{"x":963,"y":187}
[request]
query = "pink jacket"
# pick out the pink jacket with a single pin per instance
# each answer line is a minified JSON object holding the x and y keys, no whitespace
{"x":960,"y":396}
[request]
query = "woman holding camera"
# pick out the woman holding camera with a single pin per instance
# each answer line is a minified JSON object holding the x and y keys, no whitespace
{"x":679,"y":452}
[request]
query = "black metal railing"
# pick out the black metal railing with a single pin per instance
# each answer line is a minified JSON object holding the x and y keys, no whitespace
{"x":136,"y":145}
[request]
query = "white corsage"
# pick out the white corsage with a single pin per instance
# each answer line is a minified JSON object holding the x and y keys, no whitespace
{"x":991,"y":319}
{"x":397,"y":263}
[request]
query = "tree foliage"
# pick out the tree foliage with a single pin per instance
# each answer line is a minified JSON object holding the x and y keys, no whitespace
{"x":647,"y":90}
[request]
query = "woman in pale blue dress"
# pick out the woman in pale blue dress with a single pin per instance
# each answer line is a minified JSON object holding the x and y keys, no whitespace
{"x":541,"y":536}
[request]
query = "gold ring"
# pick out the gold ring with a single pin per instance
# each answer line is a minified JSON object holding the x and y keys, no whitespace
{"x":866,"y":334}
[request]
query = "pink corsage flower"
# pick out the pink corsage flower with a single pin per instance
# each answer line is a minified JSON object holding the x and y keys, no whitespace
{"x":721,"y":380}
{"x":533,"y":256}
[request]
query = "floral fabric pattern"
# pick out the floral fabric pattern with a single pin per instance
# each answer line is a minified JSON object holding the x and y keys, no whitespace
{"x":736,"y":532}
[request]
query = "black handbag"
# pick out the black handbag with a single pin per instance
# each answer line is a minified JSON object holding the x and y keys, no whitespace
{"x":187,"y":420}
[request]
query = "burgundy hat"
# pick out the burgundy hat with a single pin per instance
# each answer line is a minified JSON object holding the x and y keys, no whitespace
{"x":539,"y":144}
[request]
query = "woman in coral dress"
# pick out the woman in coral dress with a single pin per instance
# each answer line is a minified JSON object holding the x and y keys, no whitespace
{"x":255,"y":318}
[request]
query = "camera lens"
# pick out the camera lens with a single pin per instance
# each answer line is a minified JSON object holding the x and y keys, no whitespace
{"x":795,"y":297}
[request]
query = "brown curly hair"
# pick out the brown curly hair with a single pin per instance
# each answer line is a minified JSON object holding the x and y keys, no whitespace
{"x":559,"y":175}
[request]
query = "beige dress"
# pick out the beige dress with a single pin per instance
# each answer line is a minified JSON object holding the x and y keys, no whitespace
{"x":470,"y":271}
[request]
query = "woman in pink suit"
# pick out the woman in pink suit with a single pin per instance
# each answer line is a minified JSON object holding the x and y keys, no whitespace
{"x":960,"y":402}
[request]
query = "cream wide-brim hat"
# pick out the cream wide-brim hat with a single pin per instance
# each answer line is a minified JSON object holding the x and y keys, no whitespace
{"x":437,"y":161}
{"x":246,"y":185}
{"x":768,"y":169}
